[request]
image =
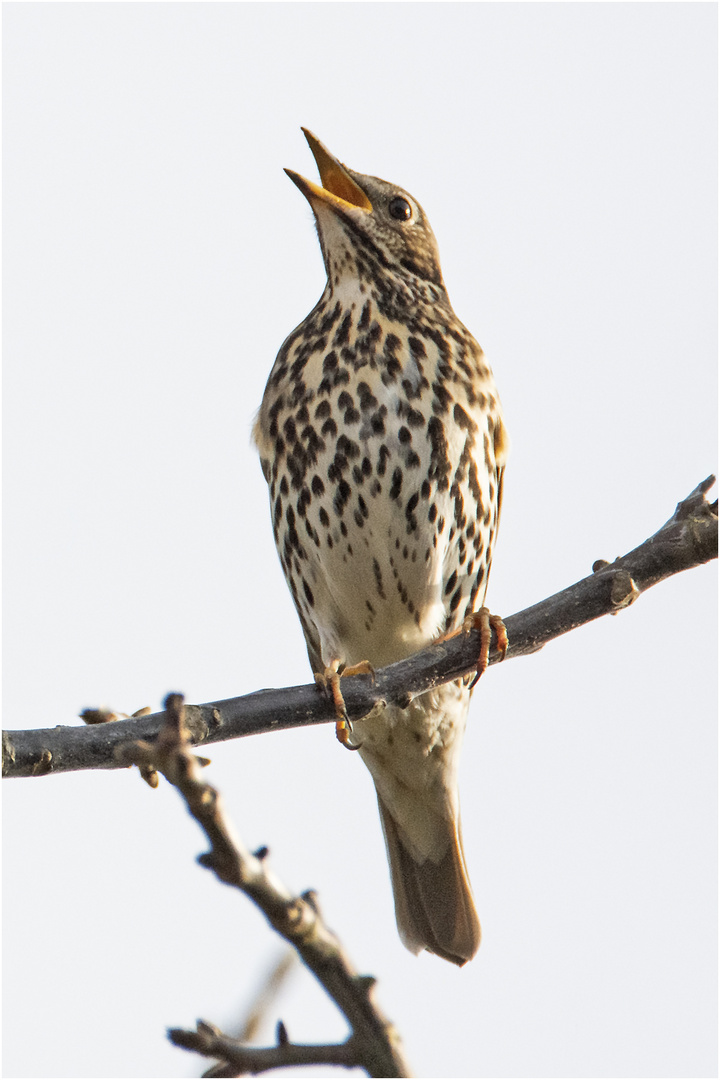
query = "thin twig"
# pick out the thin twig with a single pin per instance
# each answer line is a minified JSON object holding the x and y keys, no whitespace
{"x":265,"y":997}
{"x":373,"y":1044}
{"x":239,"y":1060}
{"x":687,"y":540}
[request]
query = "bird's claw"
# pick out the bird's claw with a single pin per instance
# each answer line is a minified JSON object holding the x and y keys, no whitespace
{"x":329,"y":680}
{"x":343,"y":734}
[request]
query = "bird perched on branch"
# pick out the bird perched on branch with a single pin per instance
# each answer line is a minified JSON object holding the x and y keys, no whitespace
{"x":381,"y":438}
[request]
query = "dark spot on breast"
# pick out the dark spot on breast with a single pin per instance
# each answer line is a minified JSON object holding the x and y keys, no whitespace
{"x":396,"y":483}
{"x":297,"y":466}
{"x":336,"y":468}
{"x":442,"y":399}
{"x":341,"y":497}
{"x":313,"y":445}
{"x":378,"y":579}
{"x":342,"y":333}
{"x":330,"y":318}
{"x":474,"y":484}
{"x":345,"y":402}
{"x":440,"y":467}
{"x":367,"y":398}
{"x":377,"y":421}
{"x":488,"y":458}
{"x":347,"y":447}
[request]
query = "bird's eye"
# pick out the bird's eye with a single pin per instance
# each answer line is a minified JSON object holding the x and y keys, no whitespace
{"x":400,"y":209}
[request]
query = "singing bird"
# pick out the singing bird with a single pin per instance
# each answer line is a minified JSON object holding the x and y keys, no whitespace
{"x":382,"y":441}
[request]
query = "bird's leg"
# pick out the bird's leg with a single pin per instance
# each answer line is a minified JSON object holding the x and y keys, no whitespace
{"x":483,"y":621}
{"x":329,"y":680}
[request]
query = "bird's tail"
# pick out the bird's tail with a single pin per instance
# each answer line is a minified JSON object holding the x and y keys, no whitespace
{"x":434,"y":904}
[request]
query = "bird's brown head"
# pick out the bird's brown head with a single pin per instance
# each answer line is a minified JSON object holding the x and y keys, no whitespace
{"x":369,"y":229}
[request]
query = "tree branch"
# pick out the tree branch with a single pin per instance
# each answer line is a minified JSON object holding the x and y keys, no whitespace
{"x":240,"y":1060}
{"x":373,"y":1044}
{"x":688,"y":539}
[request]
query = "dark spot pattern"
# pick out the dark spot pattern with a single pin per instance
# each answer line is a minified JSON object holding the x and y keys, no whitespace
{"x":378,"y":434}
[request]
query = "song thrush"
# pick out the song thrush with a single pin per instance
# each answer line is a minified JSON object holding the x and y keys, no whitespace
{"x":382,"y":442}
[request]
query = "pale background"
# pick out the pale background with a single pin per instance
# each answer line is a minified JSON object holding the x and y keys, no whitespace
{"x":155,"y":258}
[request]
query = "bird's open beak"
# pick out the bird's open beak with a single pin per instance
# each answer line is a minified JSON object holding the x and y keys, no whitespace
{"x":338,"y":189}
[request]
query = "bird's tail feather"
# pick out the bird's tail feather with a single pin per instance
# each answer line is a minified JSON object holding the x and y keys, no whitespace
{"x":434,"y":904}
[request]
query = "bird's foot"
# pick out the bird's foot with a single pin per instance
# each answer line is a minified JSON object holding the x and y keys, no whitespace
{"x":329,"y":680}
{"x":483,"y":621}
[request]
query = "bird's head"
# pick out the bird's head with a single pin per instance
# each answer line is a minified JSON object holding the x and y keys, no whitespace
{"x":369,"y":230}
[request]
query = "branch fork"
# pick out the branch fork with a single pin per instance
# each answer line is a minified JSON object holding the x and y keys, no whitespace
{"x":373,"y":1043}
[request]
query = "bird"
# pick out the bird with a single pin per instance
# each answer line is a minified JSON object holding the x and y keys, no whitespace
{"x":381,"y":438}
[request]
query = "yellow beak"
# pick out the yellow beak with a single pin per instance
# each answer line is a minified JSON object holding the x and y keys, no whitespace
{"x":338,"y":189}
